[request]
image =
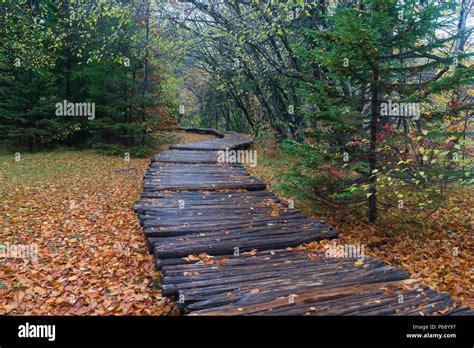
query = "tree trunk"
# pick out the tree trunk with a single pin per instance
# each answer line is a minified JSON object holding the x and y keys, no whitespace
{"x":372,"y":158}
{"x":146,"y":69}
{"x":227,"y":118}
{"x":68,"y":57}
{"x":465,"y":9}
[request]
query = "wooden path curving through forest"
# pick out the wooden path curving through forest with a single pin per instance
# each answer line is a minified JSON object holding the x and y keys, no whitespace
{"x":192,"y":206}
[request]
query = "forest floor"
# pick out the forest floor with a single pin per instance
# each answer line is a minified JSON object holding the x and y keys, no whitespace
{"x":76,"y":208}
{"x":437,"y":251}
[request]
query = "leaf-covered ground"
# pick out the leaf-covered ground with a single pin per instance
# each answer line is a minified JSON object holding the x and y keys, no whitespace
{"x":76,"y":207}
{"x":438,"y":251}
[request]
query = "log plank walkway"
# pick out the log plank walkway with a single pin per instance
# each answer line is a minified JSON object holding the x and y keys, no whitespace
{"x":226,"y":246}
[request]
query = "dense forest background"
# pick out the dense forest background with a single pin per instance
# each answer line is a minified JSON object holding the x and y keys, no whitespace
{"x":110,"y":54}
{"x":312,"y":77}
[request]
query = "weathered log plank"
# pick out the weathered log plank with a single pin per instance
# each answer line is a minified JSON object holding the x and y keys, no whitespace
{"x":227,"y":246}
{"x":312,"y":296}
{"x":185,"y":156}
{"x":229,"y":140}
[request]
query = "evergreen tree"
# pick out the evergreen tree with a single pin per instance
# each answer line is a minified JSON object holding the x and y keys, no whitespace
{"x":373,"y":53}
{"x":27,"y":112}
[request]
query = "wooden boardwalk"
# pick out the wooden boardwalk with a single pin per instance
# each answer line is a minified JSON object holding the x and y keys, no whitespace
{"x":225,"y":246}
